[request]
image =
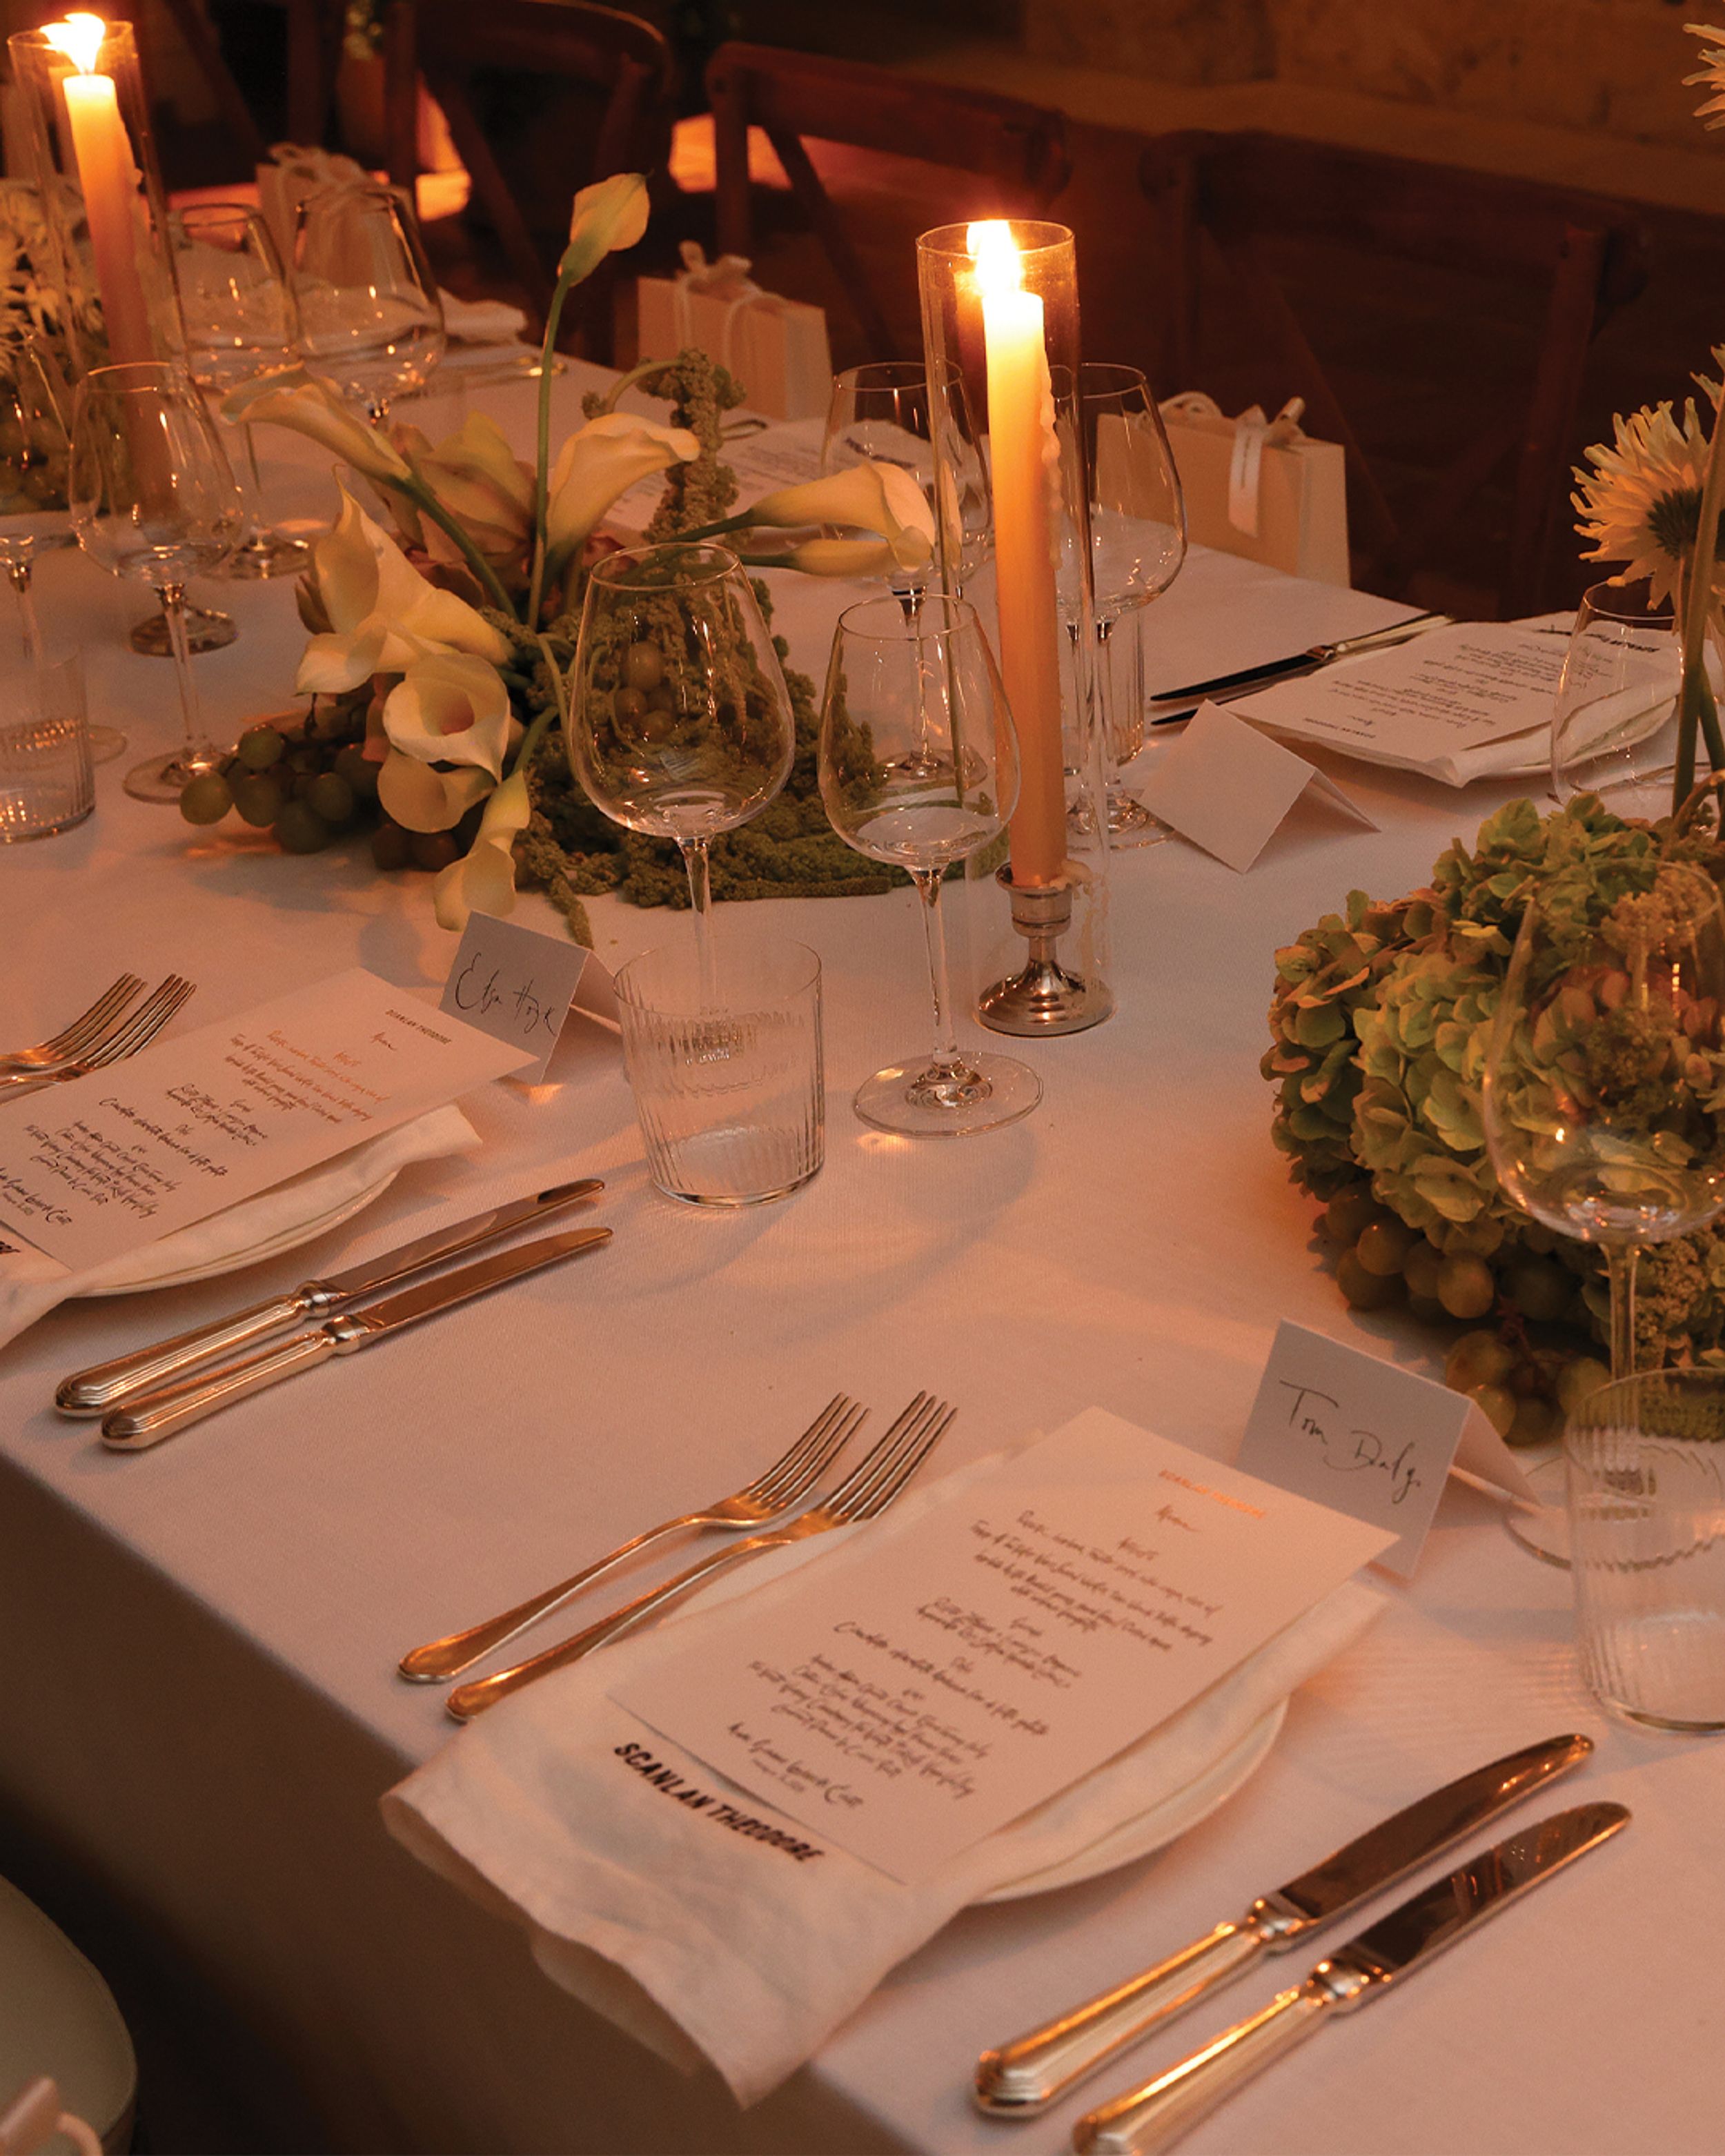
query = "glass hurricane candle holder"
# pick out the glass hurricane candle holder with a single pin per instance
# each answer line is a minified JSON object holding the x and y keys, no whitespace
{"x":79,"y":99}
{"x":1000,"y":317}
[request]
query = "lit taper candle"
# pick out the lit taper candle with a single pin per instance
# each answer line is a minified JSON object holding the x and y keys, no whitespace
{"x":108,"y":177}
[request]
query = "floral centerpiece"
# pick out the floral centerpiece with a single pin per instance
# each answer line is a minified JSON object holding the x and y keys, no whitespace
{"x":439,"y":649}
{"x":1381,"y":1014}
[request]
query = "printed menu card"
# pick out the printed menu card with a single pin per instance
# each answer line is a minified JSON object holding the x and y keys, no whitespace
{"x":199,"y":1120}
{"x":927,"y":1683}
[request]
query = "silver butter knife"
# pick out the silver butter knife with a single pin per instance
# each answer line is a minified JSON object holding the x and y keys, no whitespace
{"x":1314,"y":655}
{"x":1155,"y":2116}
{"x":94,"y":1391}
{"x":1025,"y":2077}
{"x":157,"y":1415}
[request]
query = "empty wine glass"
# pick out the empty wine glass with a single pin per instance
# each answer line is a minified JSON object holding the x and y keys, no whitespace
{"x":240,"y":323}
{"x":371,"y":321}
{"x":880,"y":413}
{"x":919,"y":768}
{"x":152,"y":497}
{"x":1138,"y":532}
{"x":1614,"y":727}
{"x":680,"y":722}
{"x":34,"y":520}
{"x":1602,"y":1080}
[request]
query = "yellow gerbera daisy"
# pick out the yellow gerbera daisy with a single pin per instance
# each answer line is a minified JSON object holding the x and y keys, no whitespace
{"x":1711,"y":75}
{"x":1640,"y":503}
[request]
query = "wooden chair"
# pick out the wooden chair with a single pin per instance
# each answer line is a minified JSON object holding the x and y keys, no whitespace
{"x":1018,"y":150}
{"x":624,"y":61}
{"x":1242,"y":194}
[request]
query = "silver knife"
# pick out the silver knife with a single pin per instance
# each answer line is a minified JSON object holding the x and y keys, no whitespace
{"x":1025,"y":2077}
{"x":1155,"y":2116}
{"x":160,"y":1415}
{"x":1316,"y":655}
{"x":94,"y":1391}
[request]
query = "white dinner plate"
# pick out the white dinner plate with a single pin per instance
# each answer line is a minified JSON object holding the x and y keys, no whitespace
{"x":1164,"y":1822}
{"x":147,"y":1270}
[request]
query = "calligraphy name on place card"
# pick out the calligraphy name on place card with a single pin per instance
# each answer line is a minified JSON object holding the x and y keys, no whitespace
{"x":197,"y":1122}
{"x":1347,"y":1429}
{"x":916,"y":1691}
{"x":519,"y":985}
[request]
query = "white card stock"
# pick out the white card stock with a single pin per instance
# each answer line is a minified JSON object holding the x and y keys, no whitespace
{"x":197,"y":1122}
{"x":932,"y":1682}
{"x":1347,"y":1429}
{"x":1227,"y":786}
{"x":519,"y":985}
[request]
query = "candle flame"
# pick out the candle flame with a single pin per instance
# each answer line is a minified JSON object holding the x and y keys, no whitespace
{"x":999,"y":266}
{"x":79,"y":38}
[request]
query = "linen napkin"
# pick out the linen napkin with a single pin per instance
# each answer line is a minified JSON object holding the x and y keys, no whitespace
{"x":701,"y":1930}
{"x":481,"y":322}
{"x":31,"y":1284}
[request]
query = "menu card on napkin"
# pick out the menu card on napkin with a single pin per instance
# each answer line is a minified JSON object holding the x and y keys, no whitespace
{"x":932,"y":1682}
{"x":1429,"y":705}
{"x":197,"y":1122}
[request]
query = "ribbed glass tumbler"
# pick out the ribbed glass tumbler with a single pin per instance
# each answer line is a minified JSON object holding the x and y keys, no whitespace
{"x":1645,"y":1461}
{"x":727,"y":1073}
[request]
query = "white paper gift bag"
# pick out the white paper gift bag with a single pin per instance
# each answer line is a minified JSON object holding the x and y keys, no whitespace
{"x":294,"y":173}
{"x":1261,"y":488}
{"x":777,"y":348}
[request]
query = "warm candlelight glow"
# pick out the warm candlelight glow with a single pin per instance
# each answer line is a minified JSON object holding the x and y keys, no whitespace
{"x":79,"y":38}
{"x":999,"y":266}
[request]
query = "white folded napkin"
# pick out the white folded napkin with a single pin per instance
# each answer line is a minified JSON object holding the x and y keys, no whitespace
{"x":702,"y":1932}
{"x":481,"y":322}
{"x":31,"y":1284}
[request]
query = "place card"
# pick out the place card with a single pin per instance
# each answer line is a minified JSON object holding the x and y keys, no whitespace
{"x":1227,"y":786}
{"x":107,"y":1163}
{"x":519,"y":985}
{"x":935,"y":1677}
{"x":1347,"y":1429}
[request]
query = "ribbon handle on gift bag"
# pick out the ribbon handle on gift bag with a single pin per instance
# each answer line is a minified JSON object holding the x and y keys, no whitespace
{"x":1252,"y":435}
{"x":727,"y":279}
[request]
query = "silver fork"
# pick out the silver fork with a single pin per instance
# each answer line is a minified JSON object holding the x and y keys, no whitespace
{"x":138,"y":1031}
{"x":83,"y":1033}
{"x":757,"y":1504}
{"x":872,"y":1485}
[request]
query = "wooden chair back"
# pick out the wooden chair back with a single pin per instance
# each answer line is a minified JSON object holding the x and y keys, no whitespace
{"x":1018,"y":150}
{"x":1240,"y":193}
{"x":625,"y":61}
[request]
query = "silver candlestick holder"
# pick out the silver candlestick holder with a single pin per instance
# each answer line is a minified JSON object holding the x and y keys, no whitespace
{"x":1048,"y":996}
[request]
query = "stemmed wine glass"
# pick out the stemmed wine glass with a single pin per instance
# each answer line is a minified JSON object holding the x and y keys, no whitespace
{"x":34,"y":520}
{"x":240,"y":323}
{"x":919,"y":768}
{"x":680,"y":722}
{"x":371,"y":321}
{"x":1137,"y":531}
{"x":1601,"y":1091}
{"x":1615,"y":727}
{"x":152,"y":497}
{"x":880,"y":413}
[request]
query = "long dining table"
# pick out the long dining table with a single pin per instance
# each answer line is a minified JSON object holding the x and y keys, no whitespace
{"x":203,"y":1708}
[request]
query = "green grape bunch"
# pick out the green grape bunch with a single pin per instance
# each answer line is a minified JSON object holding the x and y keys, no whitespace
{"x":1380,"y":1020}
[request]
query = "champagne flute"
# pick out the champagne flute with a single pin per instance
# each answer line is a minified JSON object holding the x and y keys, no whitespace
{"x":371,"y":321}
{"x":34,"y":520}
{"x":680,"y":722}
{"x":919,"y":769}
{"x":1137,"y":526}
{"x":240,"y":323}
{"x":1615,"y":727}
{"x":152,"y":497}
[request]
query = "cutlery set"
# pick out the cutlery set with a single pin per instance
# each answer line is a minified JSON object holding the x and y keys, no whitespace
{"x":156,"y":1391}
{"x":1247,"y":681}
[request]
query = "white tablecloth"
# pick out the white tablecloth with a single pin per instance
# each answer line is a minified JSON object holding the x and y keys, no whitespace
{"x":202,"y":1639}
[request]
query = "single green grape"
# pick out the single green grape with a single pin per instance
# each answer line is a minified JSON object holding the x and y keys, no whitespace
{"x":1579,"y":1380}
{"x":1383,"y":1246}
{"x":1539,"y":1289}
{"x":259,"y":797}
{"x":643,"y":666}
{"x":434,"y":849}
{"x":1466,"y":1287}
{"x":1421,"y":1268}
{"x":260,"y":747}
{"x":330,"y":797}
{"x":1478,"y":1358}
{"x":207,"y":799}
{"x":353,"y":764}
{"x":1350,"y":1212}
{"x":1365,"y":1291}
{"x":392,"y":847}
{"x":1499,"y":1405}
{"x":1537,"y":1421}
{"x":300,"y":829}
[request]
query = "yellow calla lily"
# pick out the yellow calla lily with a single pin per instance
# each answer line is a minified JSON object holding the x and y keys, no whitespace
{"x":866,"y":497}
{"x":451,"y":708}
{"x":422,"y":799}
{"x":292,"y":398}
{"x":598,"y":464}
{"x":609,"y":214}
{"x":483,"y":881}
